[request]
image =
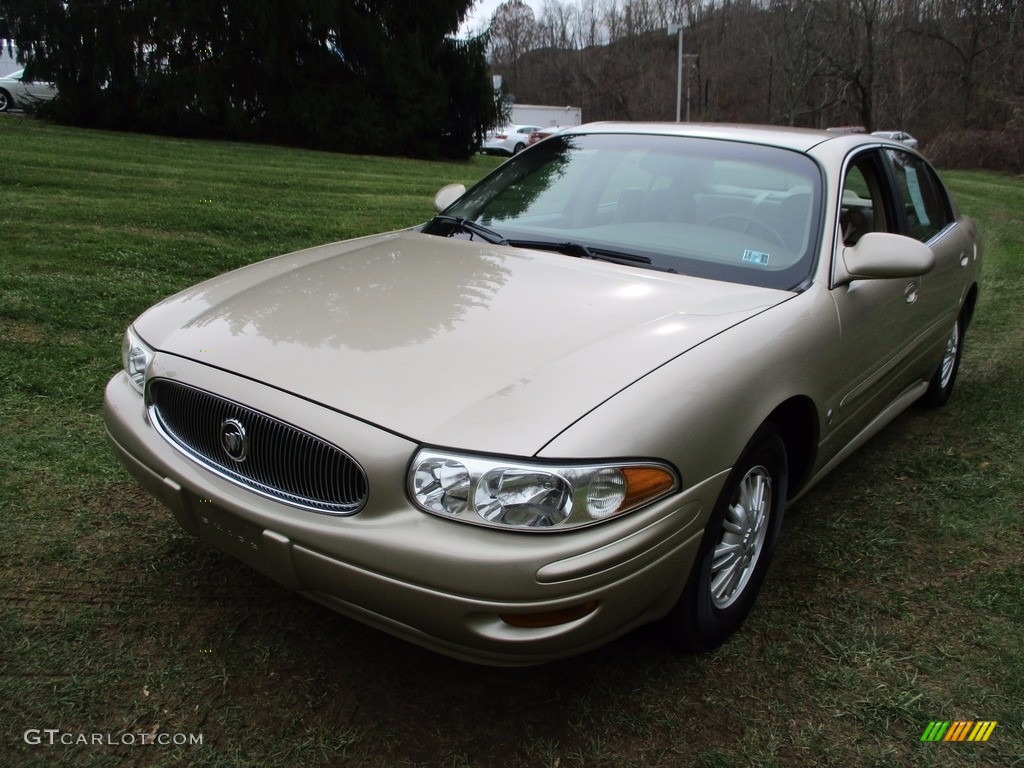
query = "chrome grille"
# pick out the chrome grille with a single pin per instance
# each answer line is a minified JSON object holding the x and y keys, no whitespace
{"x":282,"y":461}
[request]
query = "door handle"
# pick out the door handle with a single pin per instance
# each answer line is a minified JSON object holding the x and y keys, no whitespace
{"x":964,"y":259}
{"x":910,"y":294}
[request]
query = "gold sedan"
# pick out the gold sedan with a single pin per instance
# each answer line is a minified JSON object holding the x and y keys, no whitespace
{"x":575,"y":401}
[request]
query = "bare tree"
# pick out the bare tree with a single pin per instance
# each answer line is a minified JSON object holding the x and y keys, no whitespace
{"x":513,"y":34}
{"x":796,"y":70}
{"x":967,"y":30}
{"x":860,"y":36}
{"x":914,"y":64}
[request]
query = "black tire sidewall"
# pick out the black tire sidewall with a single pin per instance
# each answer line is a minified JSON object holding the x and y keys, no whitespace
{"x":696,"y":623}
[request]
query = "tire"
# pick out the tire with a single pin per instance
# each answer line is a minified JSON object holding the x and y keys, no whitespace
{"x":518,"y":148}
{"x":6,"y":102}
{"x":722,"y":587}
{"x":940,"y":388}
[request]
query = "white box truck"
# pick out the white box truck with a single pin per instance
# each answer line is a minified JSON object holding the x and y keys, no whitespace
{"x":534,"y":114}
{"x":8,"y":62}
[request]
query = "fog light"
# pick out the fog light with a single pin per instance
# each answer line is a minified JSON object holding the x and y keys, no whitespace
{"x":606,"y":492}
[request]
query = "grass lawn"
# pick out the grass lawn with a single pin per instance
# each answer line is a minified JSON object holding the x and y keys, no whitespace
{"x":895,"y":598}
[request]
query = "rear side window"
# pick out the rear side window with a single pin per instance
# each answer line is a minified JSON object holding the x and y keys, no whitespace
{"x":923,"y":200}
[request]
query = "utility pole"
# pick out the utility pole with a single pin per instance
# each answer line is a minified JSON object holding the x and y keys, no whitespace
{"x":689,"y":57}
{"x":677,"y":29}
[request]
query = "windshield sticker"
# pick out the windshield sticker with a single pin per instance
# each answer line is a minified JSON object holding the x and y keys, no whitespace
{"x":914,"y":185}
{"x":756,"y":257}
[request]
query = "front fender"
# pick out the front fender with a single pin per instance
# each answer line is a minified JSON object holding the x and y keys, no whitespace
{"x":700,"y":409}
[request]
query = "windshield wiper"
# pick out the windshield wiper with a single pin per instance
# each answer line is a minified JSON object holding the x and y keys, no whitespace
{"x":569,"y":248}
{"x":579,"y":249}
{"x":465,"y":225}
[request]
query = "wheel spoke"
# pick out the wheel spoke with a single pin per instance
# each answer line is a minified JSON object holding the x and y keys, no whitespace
{"x":759,"y":524}
{"x":754,"y":490}
{"x":735,"y":519}
{"x":724,"y":582}
{"x":727,"y":548}
{"x":725,"y":556}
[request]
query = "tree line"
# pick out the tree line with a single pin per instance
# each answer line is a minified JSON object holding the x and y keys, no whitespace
{"x":385,"y":77}
{"x":930,"y":67}
{"x":390,"y":77}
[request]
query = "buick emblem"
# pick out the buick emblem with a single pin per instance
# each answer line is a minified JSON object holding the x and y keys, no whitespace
{"x":234,"y":440}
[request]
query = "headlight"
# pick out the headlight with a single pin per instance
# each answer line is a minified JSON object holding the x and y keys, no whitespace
{"x":533,"y":495}
{"x":135,"y":357}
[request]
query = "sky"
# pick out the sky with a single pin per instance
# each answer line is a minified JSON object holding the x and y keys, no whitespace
{"x":481,"y":13}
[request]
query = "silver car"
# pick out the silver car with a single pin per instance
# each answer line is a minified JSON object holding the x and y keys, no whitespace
{"x":901,"y":136}
{"x":510,"y":140}
{"x":15,"y":91}
{"x":574,"y":402}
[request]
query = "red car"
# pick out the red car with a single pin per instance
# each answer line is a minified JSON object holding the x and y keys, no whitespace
{"x":543,"y":133}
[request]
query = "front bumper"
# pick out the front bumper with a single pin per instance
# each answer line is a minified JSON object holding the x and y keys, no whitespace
{"x":438,"y":583}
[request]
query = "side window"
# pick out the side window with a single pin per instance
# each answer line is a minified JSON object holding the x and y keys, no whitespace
{"x":867,"y":204}
{"x":927,"y":209}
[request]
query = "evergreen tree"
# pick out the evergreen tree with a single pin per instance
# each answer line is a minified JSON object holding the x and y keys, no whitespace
{"x":383,"y":76}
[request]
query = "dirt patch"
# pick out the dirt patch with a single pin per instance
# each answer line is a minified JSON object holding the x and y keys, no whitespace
{"x":21,"y":332}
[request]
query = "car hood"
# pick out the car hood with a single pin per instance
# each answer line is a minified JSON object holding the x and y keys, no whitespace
{"x":447,"y":341}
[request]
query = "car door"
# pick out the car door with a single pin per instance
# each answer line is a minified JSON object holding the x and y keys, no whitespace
{"x":882,"y":321}
{"x":928,"y":216}
{"x":21,"y":92}
{"x":32,"y":92}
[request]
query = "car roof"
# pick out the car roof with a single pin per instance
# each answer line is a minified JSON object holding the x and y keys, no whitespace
{"x":798,"y":139}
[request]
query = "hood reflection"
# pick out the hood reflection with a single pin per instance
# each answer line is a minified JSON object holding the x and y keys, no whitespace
{"x":381,"y":297}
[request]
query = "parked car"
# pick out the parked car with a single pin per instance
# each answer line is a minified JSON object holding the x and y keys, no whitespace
{"x":901,"y":136}
{"x":577,"y":400}
{"x":510,"y":140}
{"x":542,"y":133}
{"x":17,"y":92}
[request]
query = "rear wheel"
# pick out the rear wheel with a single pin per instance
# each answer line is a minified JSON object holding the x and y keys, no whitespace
{"x":737,"y":547}
{"x":941,"y":386}
{"x":6,"y":102}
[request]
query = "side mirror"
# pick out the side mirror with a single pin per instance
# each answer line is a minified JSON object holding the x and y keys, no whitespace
{"x":447,"y":195}
{"x":880,"y":255}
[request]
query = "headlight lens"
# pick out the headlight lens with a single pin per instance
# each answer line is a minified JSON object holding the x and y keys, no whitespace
{"x":530,"y":495}
{"x":135,"y":357}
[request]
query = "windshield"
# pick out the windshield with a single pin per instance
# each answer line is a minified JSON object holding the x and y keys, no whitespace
{"x":703,"y":207}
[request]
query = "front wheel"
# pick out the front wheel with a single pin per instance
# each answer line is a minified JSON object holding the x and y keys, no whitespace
{"x":940,"y":388}
{"x":6,"y":102}
{"x":736,"y":548}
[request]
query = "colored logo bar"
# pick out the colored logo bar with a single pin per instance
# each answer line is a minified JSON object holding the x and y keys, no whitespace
{"x":959,"y":730}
